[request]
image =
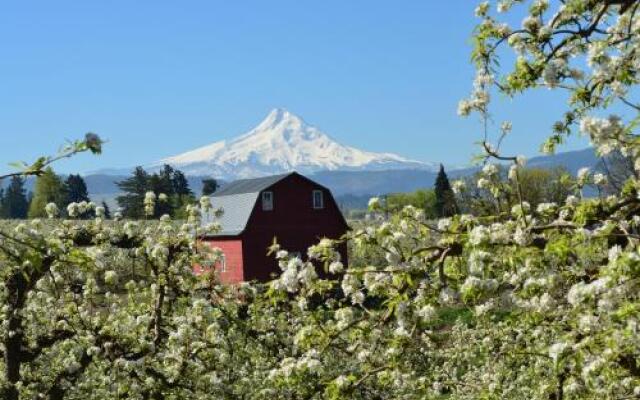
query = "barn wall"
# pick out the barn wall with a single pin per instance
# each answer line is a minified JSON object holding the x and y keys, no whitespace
{"x":260,"y":266}
{"x":295,"y":223}
{"x":232,"y":249}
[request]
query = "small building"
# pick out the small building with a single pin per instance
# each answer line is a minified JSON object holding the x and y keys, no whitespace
{"x":290,"y":208}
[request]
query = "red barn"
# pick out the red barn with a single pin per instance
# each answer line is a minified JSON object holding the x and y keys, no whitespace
{"x":291,"y":208}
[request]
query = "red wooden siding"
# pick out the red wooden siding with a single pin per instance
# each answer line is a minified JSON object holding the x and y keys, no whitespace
{"x":232,"y":249}
{"x":293,"y":221}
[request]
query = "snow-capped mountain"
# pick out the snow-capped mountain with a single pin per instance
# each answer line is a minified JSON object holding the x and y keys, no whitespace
{"x":282,"y":142}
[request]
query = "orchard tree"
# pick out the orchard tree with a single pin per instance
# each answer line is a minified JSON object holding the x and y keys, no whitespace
{"x":528,"y":302}
{"x":80,"y":317}
{"x":422,"y":199}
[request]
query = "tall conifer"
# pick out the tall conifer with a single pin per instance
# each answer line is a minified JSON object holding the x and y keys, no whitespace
{"x":131,"y":202}
{"x":445,"y":199}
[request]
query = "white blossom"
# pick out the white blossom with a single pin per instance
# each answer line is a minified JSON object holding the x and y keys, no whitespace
{"x":52,"y":210}
{"x":111,"y":277}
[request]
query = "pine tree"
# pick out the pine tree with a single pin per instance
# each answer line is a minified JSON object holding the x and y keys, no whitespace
{"x":107,"y":211}
{"x":162,"y":183}
{"x":181,"y":184}
{"x":134,"y":188}
{"x":168,"y":181}
{"x":76,"y":191}
{"x":183,"y":195}
{"x":209,"y":186}
{"x":49,"y":188}
{"x":15,"y":203}
{"x":445,"y":199}
{"x":3,"y":212}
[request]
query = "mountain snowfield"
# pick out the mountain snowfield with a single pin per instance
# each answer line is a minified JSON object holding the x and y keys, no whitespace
{"x":283,"y":142}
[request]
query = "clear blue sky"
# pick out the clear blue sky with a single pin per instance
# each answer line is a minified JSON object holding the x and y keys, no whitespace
{"x":157,"y":78}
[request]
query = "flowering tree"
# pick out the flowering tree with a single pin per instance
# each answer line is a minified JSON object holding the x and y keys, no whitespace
{"x":83,"y":303}
{"x":546,"y":297}
{"x":531,"y":302}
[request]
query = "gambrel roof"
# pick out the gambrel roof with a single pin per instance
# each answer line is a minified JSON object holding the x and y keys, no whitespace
{"x":237,"y":200}
{"x":255,"y":185}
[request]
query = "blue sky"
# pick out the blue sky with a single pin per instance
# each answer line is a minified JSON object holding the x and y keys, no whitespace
{"x":156,"y":78}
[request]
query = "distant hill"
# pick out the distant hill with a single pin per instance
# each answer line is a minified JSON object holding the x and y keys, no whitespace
{"x":373,"y":182}
{"x":404,"y":180}
{"x":571,"y":160}
{"x":355,"y":187}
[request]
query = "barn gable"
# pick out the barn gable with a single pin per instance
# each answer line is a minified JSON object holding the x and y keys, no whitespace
{"x":237,"y":200}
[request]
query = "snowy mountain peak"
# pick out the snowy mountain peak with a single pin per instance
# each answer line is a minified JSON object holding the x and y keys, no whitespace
{"x":282,"y":124}
{"x":280,"y":116}
{"x":282,"y":142}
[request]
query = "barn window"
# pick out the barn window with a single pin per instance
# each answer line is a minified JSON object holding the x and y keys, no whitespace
{"x":223,"y":263}
{"x":318,"y":199}
{"x":267,"y":201}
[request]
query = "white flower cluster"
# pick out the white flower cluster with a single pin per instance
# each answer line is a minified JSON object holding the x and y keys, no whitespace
{"x":295,"y":272}
{"x":74,"y":210}
{"x":606,"y":134}
{"x":149,"y":203}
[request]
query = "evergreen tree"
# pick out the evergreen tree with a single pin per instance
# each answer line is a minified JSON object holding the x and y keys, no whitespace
{"x":49,"y":188}
{"x":445,"y":199}
{"x":15,"y":203}
{"x":162,"y":183}
{"x":29,"y":200}
{"x":134,"y":188}
{"x":107,"y":211}
{"x":168,"y":182}
{"x":181,"y":184}
{"x":209,"y":186}
{"x":183,"y":195}
{"x":76,"y":191}
{"x":2,"y":210}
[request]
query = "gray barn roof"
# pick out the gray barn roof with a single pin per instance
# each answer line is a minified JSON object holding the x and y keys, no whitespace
{"x":237,"y":200}
{"x":255,"y":185}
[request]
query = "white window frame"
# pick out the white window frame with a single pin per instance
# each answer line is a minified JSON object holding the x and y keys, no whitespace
{"x":313,"y":199}
{"x":223,"y":263}
{"x":267,"y":205}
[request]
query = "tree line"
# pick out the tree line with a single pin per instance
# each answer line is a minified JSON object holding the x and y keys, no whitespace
{"x":169,"y":184}
{"x":17,"y":203}
{"x":536,"y":186}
